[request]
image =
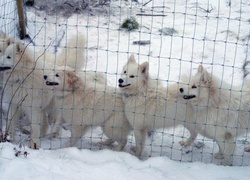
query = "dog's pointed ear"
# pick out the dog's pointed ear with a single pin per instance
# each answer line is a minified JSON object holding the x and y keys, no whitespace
{"x":206,"y":77}
{"x":19,"y":47}
{"x":144,"y":67}
{"x":3,"y":36}
{"x":73,"y":80}
{"x":200,"y":69}
{"x":9,"y":41}
{"x":131,"y":59}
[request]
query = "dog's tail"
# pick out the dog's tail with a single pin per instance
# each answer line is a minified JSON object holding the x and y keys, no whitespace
{"x":246,"y":75}
{"x":246,"y":69}
{"x":73,"y":55}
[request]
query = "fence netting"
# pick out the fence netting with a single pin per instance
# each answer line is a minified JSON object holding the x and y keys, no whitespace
{"x":63,"y":84}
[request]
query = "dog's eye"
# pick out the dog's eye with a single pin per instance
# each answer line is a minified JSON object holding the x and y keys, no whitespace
{"x":125,"y":72}
{"x":132,"y":76}
{"x":57,"y":75}
{"x":8,"y":57}
{"x":193,"y":87}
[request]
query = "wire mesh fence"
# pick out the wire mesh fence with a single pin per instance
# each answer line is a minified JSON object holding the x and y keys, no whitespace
{"x":73,"y":82}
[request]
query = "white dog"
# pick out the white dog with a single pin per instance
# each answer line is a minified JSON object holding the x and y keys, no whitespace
{"x":83,"y":101}
{"x":221,"y":112}
{"x":148,"y":106}
{"x":24,"y":90}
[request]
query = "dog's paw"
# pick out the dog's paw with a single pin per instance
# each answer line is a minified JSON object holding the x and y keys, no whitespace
{"x":137,"y":152}
{"x":227,"y":162}
{"x":54,"y":135}
{"x":107,"y":142}
{"x":185,"y":143}
{"x":247,"y":149}
{"x":133,"y":149}
{"x":218,"y":155}
{"x":25,"y":131}
{"x":117,"y":148}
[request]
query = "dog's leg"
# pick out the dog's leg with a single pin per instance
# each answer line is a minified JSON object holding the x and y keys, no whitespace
{"x":122,"y":134}
{"x":121,"y":145}
{"x":140,"y":138}
{"x":226,"y":148}
{"x":56,"y":122}
{"x":76,"y":133}
{"x":108,"y":142}
{"x":192,"y":137}
{"x":13,"y":119}
{"x":54,"y":119}
{"x":44,"y":124}
{"x":37,"y":117}
{"x":117,"y":128}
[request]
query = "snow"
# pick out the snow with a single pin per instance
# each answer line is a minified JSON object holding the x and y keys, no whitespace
{"x":8,"y":17}
{"x":217,"y":39}
{"x":72,"y":163}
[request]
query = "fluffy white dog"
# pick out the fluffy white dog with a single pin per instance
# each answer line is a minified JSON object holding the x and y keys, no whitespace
{"x":148,"y":106}
{"x":24,"y":90}
{"x":221,"y":112}
{"x":85,"y":100}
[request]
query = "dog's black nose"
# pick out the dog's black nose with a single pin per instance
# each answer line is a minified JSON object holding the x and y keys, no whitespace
{"x":181,"y":90}
{"x":45,"y":77}
{"x":120,"y":80}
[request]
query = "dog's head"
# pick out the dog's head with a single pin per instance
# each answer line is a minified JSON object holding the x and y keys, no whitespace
{"x":5,"y":41}
{"x":199,"y":89}
{"x":63,"y":80}
{"x":13,"y":56}
{"x":134,"y":75}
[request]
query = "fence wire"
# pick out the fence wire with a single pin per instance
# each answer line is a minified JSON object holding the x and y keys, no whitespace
{"x":61,"y":86}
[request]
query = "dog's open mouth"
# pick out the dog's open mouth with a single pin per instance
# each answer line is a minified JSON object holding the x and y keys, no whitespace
{"x":189,"y":96}
{"x":122,"y":86}
{"x":51,"y":83}
{"x":4,"y":68}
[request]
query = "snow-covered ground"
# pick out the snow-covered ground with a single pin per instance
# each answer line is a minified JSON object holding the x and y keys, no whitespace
{"x":208,"y":32}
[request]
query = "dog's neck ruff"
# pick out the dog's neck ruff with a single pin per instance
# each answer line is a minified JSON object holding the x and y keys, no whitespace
{"x":130,"y":94}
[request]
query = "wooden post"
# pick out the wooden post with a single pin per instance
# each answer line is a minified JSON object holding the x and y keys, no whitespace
{"x":21,"y":18}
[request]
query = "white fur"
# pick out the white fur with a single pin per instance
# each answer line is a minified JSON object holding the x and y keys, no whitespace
{"x":221,"y":112}
{"x":72,"y":55}
{"x":148,"y":106}
{"x":85,"y":100}
{"x":24,"y":90}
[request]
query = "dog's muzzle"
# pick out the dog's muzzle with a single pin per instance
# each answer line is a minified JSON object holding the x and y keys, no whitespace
{"x":4,"y":68}
{"x":52,"y":83}
{"x":121,"y":85}
{"x":189,"y":96}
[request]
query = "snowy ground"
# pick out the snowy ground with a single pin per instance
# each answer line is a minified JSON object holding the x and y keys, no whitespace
{"x":212,"y":33}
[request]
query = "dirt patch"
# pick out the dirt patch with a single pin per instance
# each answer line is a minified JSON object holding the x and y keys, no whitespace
{"x":68,"y":7}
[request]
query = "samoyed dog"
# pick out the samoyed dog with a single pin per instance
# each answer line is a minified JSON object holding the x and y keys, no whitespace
{"x":221,"y":112}
{"x":23,"y":87}
{"x":84,"y":100}
{"x":148,"y":105}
